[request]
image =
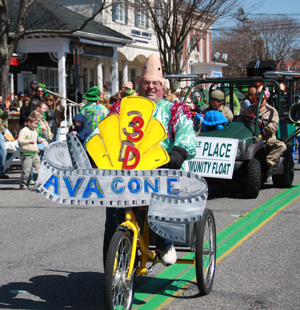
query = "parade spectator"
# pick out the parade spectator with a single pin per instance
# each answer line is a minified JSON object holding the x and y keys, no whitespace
{"x":16,"y":103}
{"x":198,"y":105}
{"x":3,"y":126}
{"x":126,"y":87}
{"x":43,"y":142}
{"x":79,"y":128}
{"x":172,"y":97}
{"x":31,"y":89}
{"x":105,"y":88}
{"x":39,"y":96}
{"x":268,"y":121}
{"x":217,"y":104}
{"x":112,"y":100}
{"x":105,"y":101}
{"x":180,"y":142}
{"x":119,"y":95}
{"x":177,"y":92}
{"x":28,"y":139}
{"x":250,"y":100}
{"x":167,"y":92}
{"x":42,"y":108}
{"x":72,"y":94}
{"x":24,"y":112}
{"x":92,"y":111}
{"x":130,"y":92}
{"x":182,"y":95}
{"x":60,"y":116}
{"x":50,"y":115}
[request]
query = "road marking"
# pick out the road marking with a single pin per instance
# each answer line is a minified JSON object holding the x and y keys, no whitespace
{"x":160,"y":291}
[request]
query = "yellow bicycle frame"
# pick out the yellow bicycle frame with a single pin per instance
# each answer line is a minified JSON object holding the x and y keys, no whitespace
{"x":143,"y":241}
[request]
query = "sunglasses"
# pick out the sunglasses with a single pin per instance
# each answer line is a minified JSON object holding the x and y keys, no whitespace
{"x":156,"y":84}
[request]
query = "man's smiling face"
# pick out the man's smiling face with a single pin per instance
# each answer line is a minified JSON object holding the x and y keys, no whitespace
{"x":151,"y":89}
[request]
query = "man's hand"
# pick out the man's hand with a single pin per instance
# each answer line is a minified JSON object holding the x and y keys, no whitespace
{"x":74,"y":132}
{"x":31,"y":142}
{"x":6,"y":109}
{"x":177,"y":156}
{"x":40,"y":140}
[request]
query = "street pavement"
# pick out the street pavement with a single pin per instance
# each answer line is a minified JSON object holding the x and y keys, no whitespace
{"x":51,"y":255}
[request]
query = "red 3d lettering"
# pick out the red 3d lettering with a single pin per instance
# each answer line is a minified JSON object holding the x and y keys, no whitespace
{"x":137,"y":155}
{"x":138,"y":134}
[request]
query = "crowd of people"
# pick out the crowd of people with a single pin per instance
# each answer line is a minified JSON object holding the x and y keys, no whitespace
{"x":40,"y":117}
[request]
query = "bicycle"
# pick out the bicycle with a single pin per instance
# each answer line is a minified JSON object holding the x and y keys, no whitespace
{"x":123,"y":263}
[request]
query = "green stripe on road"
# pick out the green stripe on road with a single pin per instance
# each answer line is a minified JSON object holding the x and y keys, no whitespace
{"x":164,"y":286}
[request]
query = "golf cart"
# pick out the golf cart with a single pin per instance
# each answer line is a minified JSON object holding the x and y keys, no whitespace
{"x":237,"y":153}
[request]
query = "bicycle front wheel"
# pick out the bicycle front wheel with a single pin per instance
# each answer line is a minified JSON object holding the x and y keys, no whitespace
{"x":118,"y":290}
{"x":205,"y":252}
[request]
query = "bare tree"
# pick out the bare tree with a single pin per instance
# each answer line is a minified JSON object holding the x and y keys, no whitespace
{"x":258,"y":39}
{"x":173,"y":21}
{"x":280,"y":35}
{"x":12,"y":30}
{"x":242,"y":45}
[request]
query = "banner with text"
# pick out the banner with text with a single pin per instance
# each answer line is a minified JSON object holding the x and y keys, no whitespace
{"x":215,"y":157}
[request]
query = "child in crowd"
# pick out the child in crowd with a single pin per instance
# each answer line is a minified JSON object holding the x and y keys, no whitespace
{"x":28,"y":138}
{"x":43,"y":132}
{"x":79,"y":128}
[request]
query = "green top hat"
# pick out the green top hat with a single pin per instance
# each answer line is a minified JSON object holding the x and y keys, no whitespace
{"x":92,"y":94}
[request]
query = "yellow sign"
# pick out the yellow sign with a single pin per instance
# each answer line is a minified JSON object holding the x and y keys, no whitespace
{"x":130,"y":140}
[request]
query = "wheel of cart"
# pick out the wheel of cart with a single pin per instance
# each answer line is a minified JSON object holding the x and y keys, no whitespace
{"x":205,"y":254}
{"x":129,"y":252}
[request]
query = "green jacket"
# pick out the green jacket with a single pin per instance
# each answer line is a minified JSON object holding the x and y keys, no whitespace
{"x":184,"y":135}
{"x":3,"y":121}
{"x":3,"y":115}
{"x":236,"y":103}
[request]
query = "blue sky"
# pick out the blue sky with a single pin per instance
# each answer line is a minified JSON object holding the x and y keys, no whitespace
{"x":279,"y":7}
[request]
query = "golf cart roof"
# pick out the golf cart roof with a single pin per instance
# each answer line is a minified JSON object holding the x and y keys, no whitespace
{"x":233,"y":80}
{"x":182,"y":76}
{"x":282,"y":74}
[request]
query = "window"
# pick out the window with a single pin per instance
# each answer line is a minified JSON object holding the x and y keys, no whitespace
{"x":49,"y":77}
{"x":159,"y":12}
{"x":120,"y":12}
{"x":141,"y":19}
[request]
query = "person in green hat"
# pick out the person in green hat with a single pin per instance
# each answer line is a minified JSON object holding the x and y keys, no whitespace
{"x":217,"y":99}
{"x":92,"y":111}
